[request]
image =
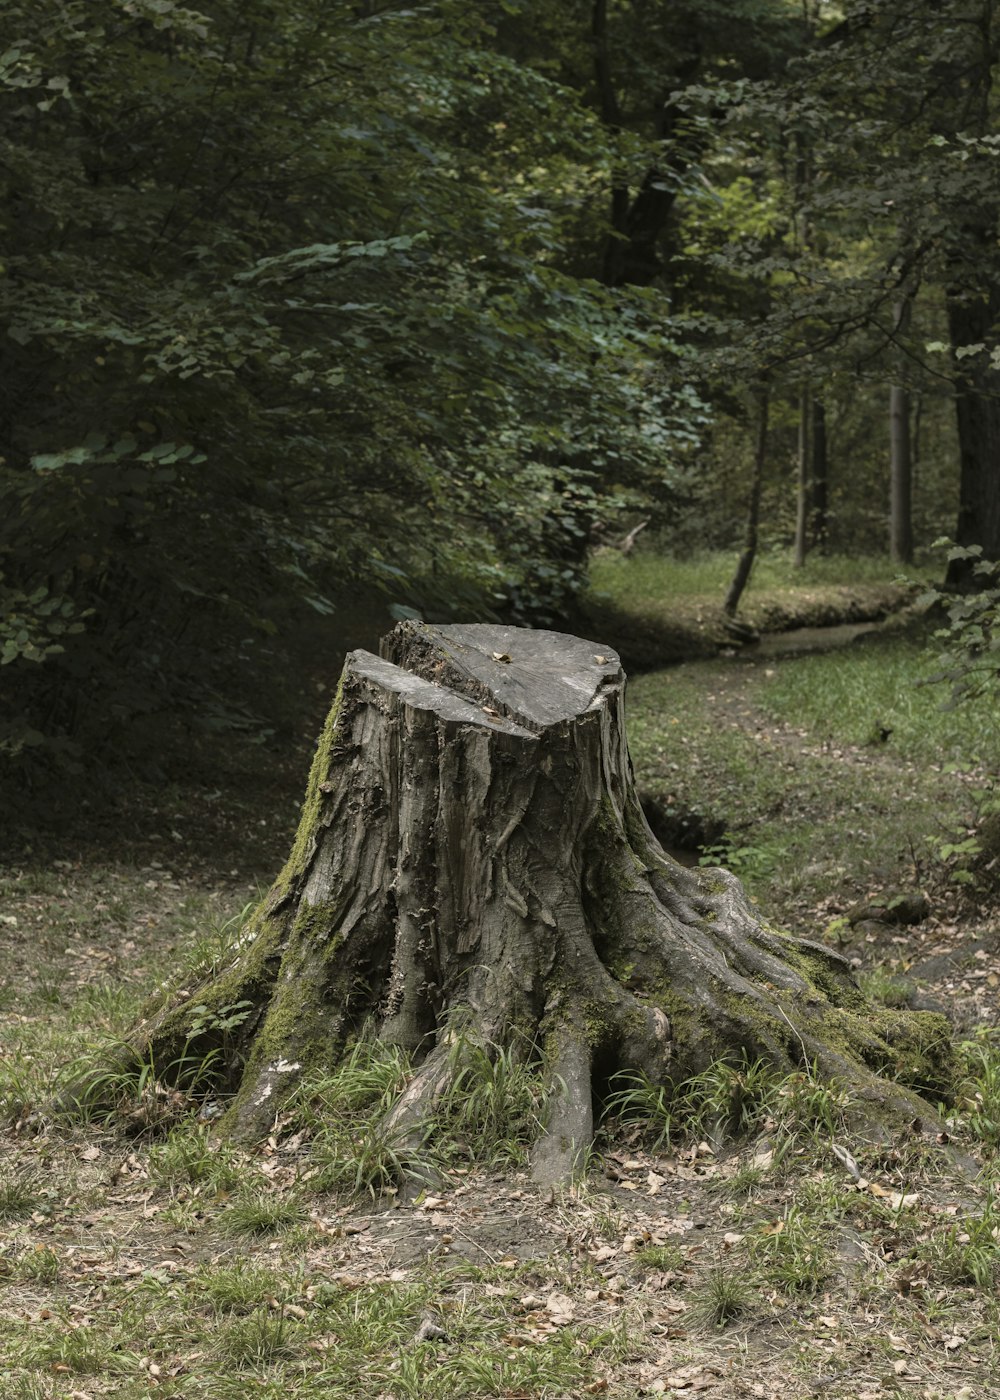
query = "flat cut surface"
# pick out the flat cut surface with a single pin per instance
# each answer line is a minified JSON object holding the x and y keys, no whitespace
{"x":420,"y":694}
{"x":542,"y":678}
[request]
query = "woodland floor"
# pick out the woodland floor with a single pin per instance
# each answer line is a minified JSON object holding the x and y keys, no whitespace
{"x":130,"y":1265}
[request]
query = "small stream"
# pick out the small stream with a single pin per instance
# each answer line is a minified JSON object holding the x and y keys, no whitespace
{"x":800,"y":640}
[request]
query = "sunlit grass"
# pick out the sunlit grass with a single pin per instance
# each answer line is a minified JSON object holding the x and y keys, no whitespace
{"x":646,"y":577}
{"x":881,"y":693}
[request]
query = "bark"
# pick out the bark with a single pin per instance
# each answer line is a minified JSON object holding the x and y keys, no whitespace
{"x":819,"y":513}
{"x":633,"y":255}
{"x":972,"y":321}
{"x":746,"y":560}
{"x":803,"y":479}
{"x":900,"y":461}
{"x":472,"y":855}
{"x":900,"y":477}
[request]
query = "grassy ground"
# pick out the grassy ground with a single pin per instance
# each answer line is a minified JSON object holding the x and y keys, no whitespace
{"x":739,"y":1241}
{"x":657,"y":610}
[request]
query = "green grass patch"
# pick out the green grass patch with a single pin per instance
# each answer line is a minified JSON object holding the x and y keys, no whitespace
{"x":778,"y":754}
{"x":879,"y":693}
{"x":647,"y":578}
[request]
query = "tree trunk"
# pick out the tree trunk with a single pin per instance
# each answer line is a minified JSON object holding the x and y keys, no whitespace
{"x":803,"y":479}
{"x":972,"y":322}
{"x":819,"y":503}
{"x":900,"y":459}
{"x":472,"y":856}
{"x":900,"y":477}
{"x":632,"y":254}
{"x":746,"y":560}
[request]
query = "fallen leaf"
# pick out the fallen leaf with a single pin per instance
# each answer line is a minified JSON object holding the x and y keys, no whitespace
{"x":560,"y":1308}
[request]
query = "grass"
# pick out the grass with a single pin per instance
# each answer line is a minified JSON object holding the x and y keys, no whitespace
{"x":806,"y":815}
{"x":656,"y":609}
{"x":882,"y":687}
{"x":790,"y":1252}
{"x":726,"y":1102}
{"x":649,"y":579}
{"x":259,"y":1212}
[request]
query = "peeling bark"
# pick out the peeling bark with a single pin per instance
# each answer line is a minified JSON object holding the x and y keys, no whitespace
{"x":472,"y":854}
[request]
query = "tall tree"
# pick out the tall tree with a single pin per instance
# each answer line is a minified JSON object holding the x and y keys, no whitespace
{"x":899,"y":107}
{"x":900,"y":461}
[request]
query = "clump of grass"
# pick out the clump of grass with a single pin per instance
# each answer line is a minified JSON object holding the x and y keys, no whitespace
{"x":723,"y":1297}
{"x":189,"y":1157}
{"x":20,"y":1193}
{"x":114,"y":1083}
{"x":260,"y":1212}
{"x":791,"y":1252}
{"x":366,"y":1158}
{"x":239,"y":1287}
{"x":369,"y":1078}
{"x":881,"y":986}
{"x":88,"y":1350}
{"x":811,"y":1107}
{"x":726,"y":1100}
{"x":38,"y":1265}
{"x":967,"y":1254}
{"x":666,"y":1258}
{"x":259,"y":1339}
{"x":744,"y":1181}
{"x":494,"y":1106}
{"x":212,"y":950}
{"x":978,"y":1097}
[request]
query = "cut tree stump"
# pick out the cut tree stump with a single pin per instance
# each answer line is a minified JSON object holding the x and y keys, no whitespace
{"x":472,"y":855}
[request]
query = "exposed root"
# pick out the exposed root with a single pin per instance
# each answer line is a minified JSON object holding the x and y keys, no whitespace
{"x":561,"y":1151}
{"x":411,"y":1117}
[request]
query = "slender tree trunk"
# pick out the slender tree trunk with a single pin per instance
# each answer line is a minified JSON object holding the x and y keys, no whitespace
{"x":819,"y":523}
{"x":973,"y":321}
{"x":803,"y":478}
{"x":900,"y":477}
{"x":473,"y":867}
{"x":632,"y":254}
{"x":746,"y":560}
{"x":900,"y":461}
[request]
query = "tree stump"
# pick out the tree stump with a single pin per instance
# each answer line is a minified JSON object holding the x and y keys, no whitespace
{"x":472,"y":852}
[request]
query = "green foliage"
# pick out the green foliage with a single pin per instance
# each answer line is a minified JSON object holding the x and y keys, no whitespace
{"x":494,"y":1106}
{"x":791,"y":1253}
{"x":968,"y":661}
{"x":729,"y":1100}
{"x":287,"y":309}
{"x":724,"y":1297}
{"x":260,"y":1212}
{"x":978,"y":1096}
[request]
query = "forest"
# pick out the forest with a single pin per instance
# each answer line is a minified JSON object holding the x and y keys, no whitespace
{"x":673,"y":326}
{"x":306,"y":300}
